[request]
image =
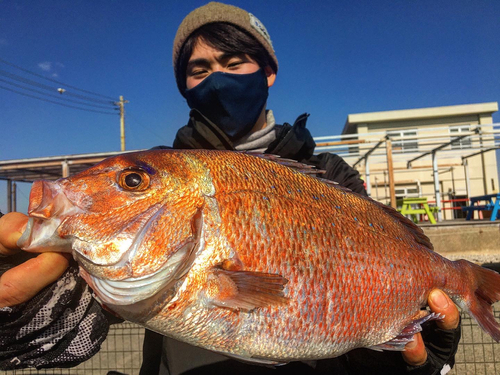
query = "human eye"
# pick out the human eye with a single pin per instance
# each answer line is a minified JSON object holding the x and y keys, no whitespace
{"x":197,"y":72}
{"x":197,"y":68}
{"x":235,"y":63}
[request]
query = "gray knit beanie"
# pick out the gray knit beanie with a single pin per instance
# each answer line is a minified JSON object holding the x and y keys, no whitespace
{"x":218,"y":12}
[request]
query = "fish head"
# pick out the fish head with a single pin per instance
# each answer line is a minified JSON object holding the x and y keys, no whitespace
{"x":127,"y":217}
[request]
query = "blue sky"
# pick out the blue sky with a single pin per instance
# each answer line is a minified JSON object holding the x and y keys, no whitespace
{"x":335,"y":58}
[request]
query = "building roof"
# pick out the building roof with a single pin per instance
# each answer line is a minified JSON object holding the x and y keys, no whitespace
{"x":418,"y":113}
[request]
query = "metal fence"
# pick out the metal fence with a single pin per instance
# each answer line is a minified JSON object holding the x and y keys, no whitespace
{"x":478,"y":354}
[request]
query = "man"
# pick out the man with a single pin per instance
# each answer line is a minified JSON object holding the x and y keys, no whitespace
{"x":224,"y":64}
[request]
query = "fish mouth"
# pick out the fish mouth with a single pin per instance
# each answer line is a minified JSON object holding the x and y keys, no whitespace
{"x":41,"y":235}
{"x":48,"y":207}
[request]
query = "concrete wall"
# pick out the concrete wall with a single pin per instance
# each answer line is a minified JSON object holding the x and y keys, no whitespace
{"x":478,"y":243}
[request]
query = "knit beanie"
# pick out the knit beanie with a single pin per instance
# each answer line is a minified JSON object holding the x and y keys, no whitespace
{"x":218,"y":12}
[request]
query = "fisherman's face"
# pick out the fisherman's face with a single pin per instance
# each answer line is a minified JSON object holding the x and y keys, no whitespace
{"x":206,"y":60}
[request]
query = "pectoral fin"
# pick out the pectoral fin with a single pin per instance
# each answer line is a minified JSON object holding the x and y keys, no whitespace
{"x":245,"y":290}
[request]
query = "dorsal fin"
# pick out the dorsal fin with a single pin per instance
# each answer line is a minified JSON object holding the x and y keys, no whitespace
{"x":415,"y":230}
{"x":290,"y":163}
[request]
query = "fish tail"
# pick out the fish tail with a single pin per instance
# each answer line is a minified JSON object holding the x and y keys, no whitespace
{"x":479,"y":302}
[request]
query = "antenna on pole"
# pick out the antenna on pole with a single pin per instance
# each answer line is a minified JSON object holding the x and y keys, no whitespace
{"x":121,"y":105}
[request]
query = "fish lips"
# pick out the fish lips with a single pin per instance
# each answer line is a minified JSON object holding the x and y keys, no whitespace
{"x":48,"y":208}
{"x":41,"y":235}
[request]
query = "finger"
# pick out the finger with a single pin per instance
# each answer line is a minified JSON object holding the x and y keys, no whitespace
{"x":23,"y":282}
{"x":12,"y":225}
{"x":415,"y":353}
{"x":439,"y":302}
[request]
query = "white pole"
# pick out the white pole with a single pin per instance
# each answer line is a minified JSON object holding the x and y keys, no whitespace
{"x":436,"y":186}
{"x":367,"y":178}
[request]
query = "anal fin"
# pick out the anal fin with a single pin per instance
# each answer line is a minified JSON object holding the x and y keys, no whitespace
{"x":399,"y":342}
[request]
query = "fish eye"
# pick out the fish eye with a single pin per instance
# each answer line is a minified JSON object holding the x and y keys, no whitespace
{"x":134,"y":180}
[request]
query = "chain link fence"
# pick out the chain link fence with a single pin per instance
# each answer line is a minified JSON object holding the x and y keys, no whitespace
{"x":477,"y":354}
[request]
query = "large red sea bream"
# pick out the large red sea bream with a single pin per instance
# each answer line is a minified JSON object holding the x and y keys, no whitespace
{"x":244,"y":256}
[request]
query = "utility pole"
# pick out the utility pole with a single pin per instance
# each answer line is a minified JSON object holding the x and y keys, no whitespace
{"x":121,"y":105}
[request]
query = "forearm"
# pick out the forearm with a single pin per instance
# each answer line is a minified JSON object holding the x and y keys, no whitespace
{"x":61,"y":326}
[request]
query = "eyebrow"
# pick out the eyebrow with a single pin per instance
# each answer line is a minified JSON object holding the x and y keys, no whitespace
{"x":195,"y":62}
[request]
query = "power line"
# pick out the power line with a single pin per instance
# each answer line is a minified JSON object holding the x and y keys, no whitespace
{"x":60,"y":97}
{"x":141,"y":124}
{"x":53,"y":80}
{"x":54,"y":102}
{"x":15,"y":77}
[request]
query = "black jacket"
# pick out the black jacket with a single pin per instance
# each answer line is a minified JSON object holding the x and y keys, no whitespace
{"x":292,"y":142}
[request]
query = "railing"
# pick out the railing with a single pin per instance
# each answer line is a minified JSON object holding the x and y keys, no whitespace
{"x":448,"y":205}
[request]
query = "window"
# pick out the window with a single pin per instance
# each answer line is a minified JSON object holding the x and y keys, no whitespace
{"x":400,"y":144}
{"x":407,"y":192}
{"x":460,"y":143}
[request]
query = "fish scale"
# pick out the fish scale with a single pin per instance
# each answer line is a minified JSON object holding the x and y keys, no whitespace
{"x":251,"y":256}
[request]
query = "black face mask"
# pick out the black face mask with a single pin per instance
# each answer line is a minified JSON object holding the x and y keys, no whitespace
{"x":233,"y":102}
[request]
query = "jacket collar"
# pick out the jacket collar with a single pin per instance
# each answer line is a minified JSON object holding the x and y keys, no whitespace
{"x":201,"y":133}
{"x":292,"y":141}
